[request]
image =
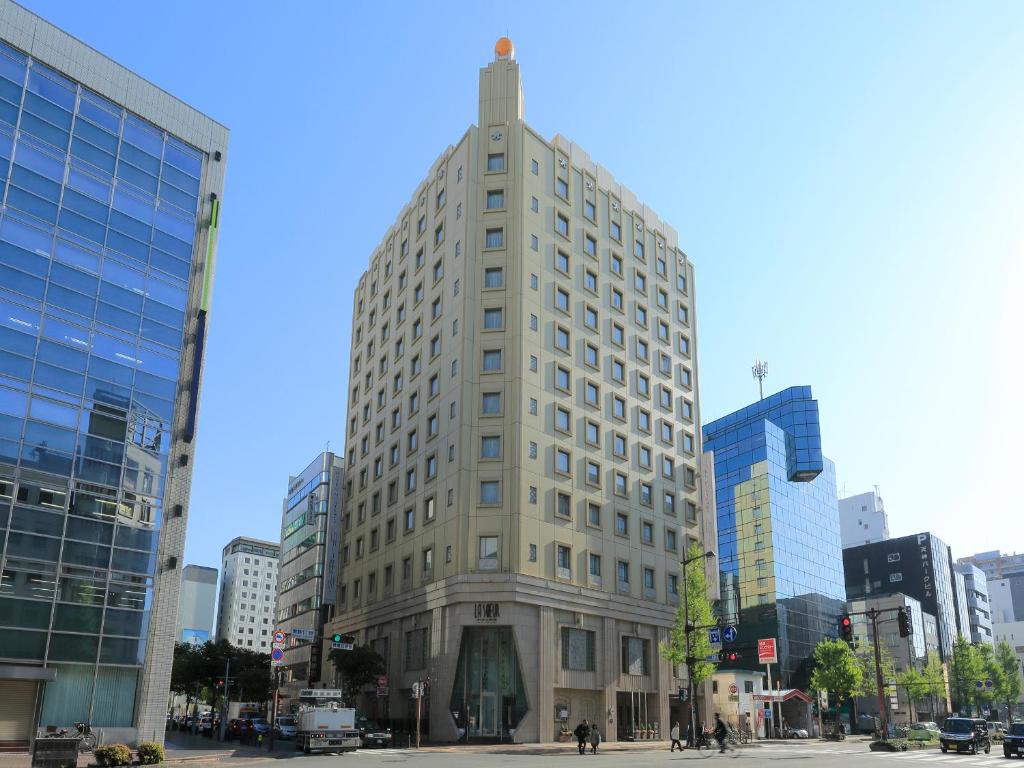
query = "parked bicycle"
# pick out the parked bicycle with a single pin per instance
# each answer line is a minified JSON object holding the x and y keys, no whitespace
{"x":745,"y":736}
{"x":87,"y":740}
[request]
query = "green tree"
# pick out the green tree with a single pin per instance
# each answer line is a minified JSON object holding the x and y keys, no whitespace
{"x":869,"y":682}
{"x":186,"y":671}
{"x":990,"y":670}
{"x":912,"y":682}
{"x":934,"y":680}
{"x":1010,"y":684}
{"x":695,"y":606}
{"x":358,"y":668}
{"x":965,"y":669}
{"x":837,"y":671}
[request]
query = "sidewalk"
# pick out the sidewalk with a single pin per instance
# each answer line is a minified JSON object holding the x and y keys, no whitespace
{"x":184,"y":749}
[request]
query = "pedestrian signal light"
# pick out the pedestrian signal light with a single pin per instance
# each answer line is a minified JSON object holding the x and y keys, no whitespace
{"x":846,"y":628}
{"x":336,"y":637}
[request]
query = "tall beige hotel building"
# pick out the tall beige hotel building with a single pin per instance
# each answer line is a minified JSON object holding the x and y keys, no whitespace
{"x":522,"y":443}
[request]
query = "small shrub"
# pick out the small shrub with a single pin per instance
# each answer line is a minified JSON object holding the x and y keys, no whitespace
{"x":150,"y":753}
{"x":113,"y":754}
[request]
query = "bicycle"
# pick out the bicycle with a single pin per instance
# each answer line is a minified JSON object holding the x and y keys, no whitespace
{"x":745,"y":736}
{"x":87,"y":740}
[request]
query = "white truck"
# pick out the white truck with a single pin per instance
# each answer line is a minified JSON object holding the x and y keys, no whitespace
{"x":324,"y":726}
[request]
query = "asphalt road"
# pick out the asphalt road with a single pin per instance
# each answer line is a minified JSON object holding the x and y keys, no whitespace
{"x":803,"y":754}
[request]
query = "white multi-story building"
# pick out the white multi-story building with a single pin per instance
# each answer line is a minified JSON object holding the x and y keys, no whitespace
{"x":862,"y":519}
{"x":523,"y":439}
{"x":245,"y":615}
{"x":979,"y":608}
{"x":1005,"y":576}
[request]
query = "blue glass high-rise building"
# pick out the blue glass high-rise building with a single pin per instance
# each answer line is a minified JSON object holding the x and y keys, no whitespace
{"x":109,"y":213}
{"x":779,"y":548}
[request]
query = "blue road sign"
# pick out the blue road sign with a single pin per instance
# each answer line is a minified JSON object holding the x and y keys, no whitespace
{"x":979,"y":685}
{"x":989,"y":683}
{"x":715,"y":636}
{"x":730,"y":634}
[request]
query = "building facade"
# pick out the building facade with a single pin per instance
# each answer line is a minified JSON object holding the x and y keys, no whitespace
{"x":521,"y":468}
{"x":778,"y":529}
{"x":905,"y":652}
{"x":863,"y":519}
{"x":919,"y":566}
{"x":111,"y":194}
{"x":978,"y":605}
{"x":248,"y":586}
{"x":1012,"y":632}
{"x":1004,"y":575}
{"x":197,"y":602}
{"x":308,"y":568}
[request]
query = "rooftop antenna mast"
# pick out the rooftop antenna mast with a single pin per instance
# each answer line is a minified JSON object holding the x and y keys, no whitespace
{"x":760,"y":371}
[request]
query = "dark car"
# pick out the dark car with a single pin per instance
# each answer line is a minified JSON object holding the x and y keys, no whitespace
{"x":371,"y":734}
{"x":964,"y":734}
{"x":1013,"y":740}
{"x":239,"y":728}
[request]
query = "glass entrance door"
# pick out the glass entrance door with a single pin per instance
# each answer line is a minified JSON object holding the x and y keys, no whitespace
{"x":488,"y":714}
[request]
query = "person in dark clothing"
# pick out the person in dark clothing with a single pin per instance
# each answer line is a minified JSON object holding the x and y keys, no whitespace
{"x":689,"y":734}
{"x":582,"y":734}
{"x":720,"y":732}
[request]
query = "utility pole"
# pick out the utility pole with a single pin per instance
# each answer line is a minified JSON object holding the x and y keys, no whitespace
{"x":882,"y":713}
{"x":224,"y":703}
{"x":273,"y":707}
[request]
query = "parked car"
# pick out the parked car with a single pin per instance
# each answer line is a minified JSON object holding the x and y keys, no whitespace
{"x":239,"y":728}
{"x":789,"y":732}
{"x":206,"y":724}
{"x":1013,"y":740}
{"x":964,"y":734}
{"x":371,"y":734}
{"x":923,"y":732}
{"x":259,"y":725}
{"x":284,"y":727}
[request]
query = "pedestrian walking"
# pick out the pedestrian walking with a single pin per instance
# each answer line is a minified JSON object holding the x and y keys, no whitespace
{"x":595,"y":739}
{"x":689,"y":734}
{"x":582,"y":734}
{"x":675,"y":739}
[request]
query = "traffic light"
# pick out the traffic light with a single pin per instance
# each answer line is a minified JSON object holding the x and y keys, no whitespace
{"x":903,"y":618}
{"x":732,"y":656}
{"x":846,"y":628}
{"x":336,"y":637}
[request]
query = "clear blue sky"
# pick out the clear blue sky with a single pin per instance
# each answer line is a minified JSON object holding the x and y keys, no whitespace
{"x":847,"y":179}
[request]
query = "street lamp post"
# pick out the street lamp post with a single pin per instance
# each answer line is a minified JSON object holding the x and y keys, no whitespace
{"x":687,"y":629}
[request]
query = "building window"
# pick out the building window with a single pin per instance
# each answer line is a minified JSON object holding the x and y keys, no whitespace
{"x":562,"y":188}
{"x":563,"y":505}
{"x":488,"y":554}
{"x":563,"y":561}
{"x":622,"y":572}
{"x":577,"y":649}
{"x":562,"y":299}
{"x":416,"y":649}
{"x":495,"y":198}
{"x":495,"y":238}
{"x":562,"y":461}
{"x":493,"y":277}
{"x":492,"y":360}
{"x":490,"y":403}
{"x":496,"y":162}
{"x":490,"y":492}
{"x":493,"y":318}
{"x":490,"y":447}
{"x":562,"y":225}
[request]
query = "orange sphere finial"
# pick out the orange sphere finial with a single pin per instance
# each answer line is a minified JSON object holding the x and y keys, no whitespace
{"x":504,"y":50}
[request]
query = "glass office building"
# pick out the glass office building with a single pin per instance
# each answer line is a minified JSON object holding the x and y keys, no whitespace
{"x":779,"y":547}
{"x":106,"y":244}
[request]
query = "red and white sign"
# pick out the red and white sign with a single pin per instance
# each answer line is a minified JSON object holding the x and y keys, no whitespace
{"x":766,"y":652}
{"x":733,"y":688}
{"x":278,"y":635}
